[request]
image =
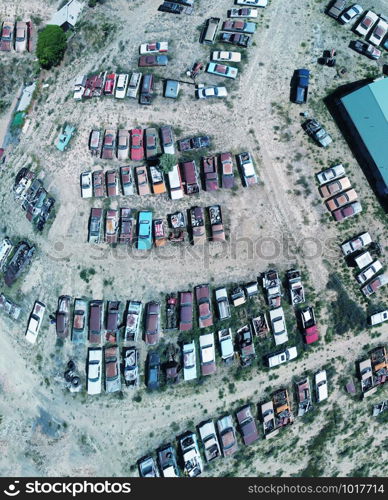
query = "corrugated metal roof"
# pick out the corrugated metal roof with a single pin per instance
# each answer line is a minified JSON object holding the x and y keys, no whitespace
{"x":368,"y":109}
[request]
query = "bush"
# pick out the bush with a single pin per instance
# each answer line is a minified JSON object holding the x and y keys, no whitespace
{"x":51,"y":46}
{"x":167,"y":162}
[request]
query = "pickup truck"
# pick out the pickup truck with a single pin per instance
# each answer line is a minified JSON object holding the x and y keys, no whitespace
{"x":133,"y":320}
{"x":35,"y":322}
{"x":281,"y":357}
{"x":217,"y":227}
{"x":209,"y":439}
{"x":197,"y":220}
{"x":190,"y":176}
{"x":222,"y":303}
{"x":210,"y":170}
{"x":226,"y":345}
{"x":315,"y":130}
{"x":336,"y":8}
{"x":191,"y":143}
{"x":95,"y":225}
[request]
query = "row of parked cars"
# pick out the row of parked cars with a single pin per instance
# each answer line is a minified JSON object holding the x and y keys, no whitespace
{"x":371,"y":26}
{"x":15,"y":36}
{"x":357,"y":252}
{"x":222,"y":439}
{"x":120,"y":86}
{"x":120,"y":227}
{"x":184,"y":178}
{"x":137,"y":144}
{"x":336,"y":188}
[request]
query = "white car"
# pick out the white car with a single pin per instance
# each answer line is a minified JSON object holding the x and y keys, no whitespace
{"x":253,"y":3}
{"x":351,"y":13}
{"x":86,"y":185}
{"x":366,"y":23}
{"x":121,"y":86}
{"x":378,"y":34}
{"x":208,"y":434}
{"x":247,"y":169}
{"x":208,"y":92}
{"x":369,"y":272}
{"x":79,"y":87}
{"x":94,"y":370}
{"x":321,"y":385}
{"x":278,"y":325}
{"x":378,"y":318}
{"x":35,"y":322}
{"x":363,"y":260}
{"x":208,"y":355}
{"x":153,"y":48}
{"x":245,"y":12}
{"x":356,"y":243}
{"x":282,"y":357}
{"x":330,"y":174}
{"x":224,"y":55}
{"x":226,"y":345}
{"x":189,"y":361}
{"x":175,"y":183}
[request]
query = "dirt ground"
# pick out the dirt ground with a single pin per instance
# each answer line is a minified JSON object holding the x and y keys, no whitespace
{"x":46,"y":431}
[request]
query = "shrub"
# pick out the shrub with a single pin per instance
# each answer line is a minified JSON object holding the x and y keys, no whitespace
{"x":51,"y":46}
{"x":167,"y":162}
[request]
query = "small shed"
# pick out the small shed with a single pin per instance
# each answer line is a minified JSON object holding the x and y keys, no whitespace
{"x":172,"y":89}
{"x":67,"y":16}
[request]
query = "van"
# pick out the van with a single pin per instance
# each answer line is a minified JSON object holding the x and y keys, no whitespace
{"x":147,"y":89}
{"x":175,"y":183}
{"x":210,"y":31}
{"x":134,"y":84}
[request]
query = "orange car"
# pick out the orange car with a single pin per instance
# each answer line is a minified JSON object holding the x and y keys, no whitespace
{"x":143,"y":186}
{"x":341,"y":199}
{"x":157,"y":180}
{"x":334,"y":187}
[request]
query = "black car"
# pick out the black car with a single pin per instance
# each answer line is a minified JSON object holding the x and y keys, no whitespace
{"x":300,"y":85}
{"x":153,"y":370}
{"x":366,"y":49}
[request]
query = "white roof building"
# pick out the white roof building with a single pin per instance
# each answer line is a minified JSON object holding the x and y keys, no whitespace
{"x":67,"y":16}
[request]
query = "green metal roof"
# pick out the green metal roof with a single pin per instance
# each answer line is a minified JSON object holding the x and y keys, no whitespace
{"x":368,"y":109}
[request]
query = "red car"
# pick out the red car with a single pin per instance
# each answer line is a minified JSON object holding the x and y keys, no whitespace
{"x":109,"y":85}
{"x":309,"y":325}
{"x":109,"y":145}
{"x":137,"y":149}
{"x":152,"y":323}
{"x":98,"y":184}
{"x":185,"y":311}
{"x":227,"y":174}
{"x":112,"y":183}
{"x":153,"y":60}
{"x":347,"y":211}
{"x":205,"y":315}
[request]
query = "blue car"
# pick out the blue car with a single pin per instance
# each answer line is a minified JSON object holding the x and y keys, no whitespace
{"x":144,"y":235}
{"x":301,"y":78}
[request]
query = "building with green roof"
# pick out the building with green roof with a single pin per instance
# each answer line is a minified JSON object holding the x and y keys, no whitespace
{"x":366,"y":117}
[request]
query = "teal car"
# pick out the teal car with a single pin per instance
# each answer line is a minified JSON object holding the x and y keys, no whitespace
{"x":144,"y":235}
{"x":222,"y":70}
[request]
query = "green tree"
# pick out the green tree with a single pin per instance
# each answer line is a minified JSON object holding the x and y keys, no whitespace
{"x":51,"y":46}
{"x":167,"y":162}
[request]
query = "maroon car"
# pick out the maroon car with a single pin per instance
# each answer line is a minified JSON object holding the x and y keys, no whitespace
{"x":153,"y":60}
{"x":126,"y":226}
{"x":112,"y":320}
{"x":63,"y":316}
{"x":95,"y":321}
{"x":247,"y":425}
{"x":205,"y":315}
{"x":98,"y":184}
{"x":185,"y":311}
{"x":112,"y":183}
{"x":190,"y":176}
{"x":227,"y":174}
{"x":108,"y":145}
{"x":210,"y":171}
{"x":152,"y":323}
